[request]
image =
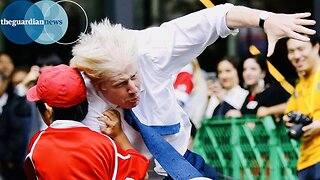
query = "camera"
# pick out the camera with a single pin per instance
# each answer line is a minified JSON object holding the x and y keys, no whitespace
{"x":295,"y":132}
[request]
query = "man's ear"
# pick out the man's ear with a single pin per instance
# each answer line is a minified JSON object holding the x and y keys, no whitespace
{"x":264,"y":73}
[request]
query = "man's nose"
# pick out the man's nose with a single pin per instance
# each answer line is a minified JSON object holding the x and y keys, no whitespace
{"x":297,"y":55}
{"x":132,"y":88}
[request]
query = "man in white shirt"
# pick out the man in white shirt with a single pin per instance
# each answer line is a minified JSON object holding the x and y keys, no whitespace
{"x":133,"y":69}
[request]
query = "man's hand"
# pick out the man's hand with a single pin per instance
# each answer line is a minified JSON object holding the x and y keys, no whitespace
{"x":278,"y":26}
{"x":262,"y":112}
{"x":233,"y":113}
{"x":218,"y":91}
{"x":31,"y":77}
{"x":286,"y":120}
{"x":311,"y":129}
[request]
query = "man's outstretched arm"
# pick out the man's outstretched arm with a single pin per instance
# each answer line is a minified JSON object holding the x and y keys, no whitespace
{"x":276,"y":26}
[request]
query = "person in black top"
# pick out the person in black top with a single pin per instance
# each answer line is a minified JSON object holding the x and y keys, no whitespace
{"x":264,"y":98}
{"x":15,"y":115}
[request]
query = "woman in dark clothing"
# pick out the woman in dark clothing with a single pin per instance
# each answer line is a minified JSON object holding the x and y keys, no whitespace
{"x":264,"y":99}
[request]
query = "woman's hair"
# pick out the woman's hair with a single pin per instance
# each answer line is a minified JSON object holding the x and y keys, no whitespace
{"x":106,"y":50}
{"x":315,"y":39}
{"x":232,"y":60}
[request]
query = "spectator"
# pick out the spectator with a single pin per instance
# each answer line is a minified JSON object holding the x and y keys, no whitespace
{"x":14,"y":118}
{"x":227,"y":93}
{"x":50,"y":59}
{"x":264,"y":98}
{"x":18,"y":75}
{"x":43,"y":61}
{"x":36,"y":123}
{"x":305,"y":57}
{"x":6,"y":65}
{"x":190,"y":89}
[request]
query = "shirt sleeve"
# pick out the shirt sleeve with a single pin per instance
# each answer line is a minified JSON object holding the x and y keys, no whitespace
{"x":168,"y":48}
{"x":291,"y":105}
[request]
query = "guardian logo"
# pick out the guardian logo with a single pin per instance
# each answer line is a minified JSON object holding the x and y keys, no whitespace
{"x":44,"y":22}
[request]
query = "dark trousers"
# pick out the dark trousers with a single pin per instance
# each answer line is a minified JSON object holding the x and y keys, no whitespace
{"x":12,"y":172}
{"x":310,"y":173}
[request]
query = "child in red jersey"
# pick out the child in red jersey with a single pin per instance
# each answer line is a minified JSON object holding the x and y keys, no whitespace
{"x":67,"y":149}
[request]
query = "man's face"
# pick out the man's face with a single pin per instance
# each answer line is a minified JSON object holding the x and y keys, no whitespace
{"x":123,"y":88}
{"x":303,"y":56}
{"x":252,"y":72}
{"x":227,"y":74}
{"x":6,"y":65}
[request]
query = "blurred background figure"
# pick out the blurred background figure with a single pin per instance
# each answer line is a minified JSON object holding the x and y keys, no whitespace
{"x":264,"y":98}
{"x":15,"y":114}
{"x":190,"y":89}
{"x":48,"y":60}
{"x":6,"y":65}
{"x":226,"y":92}
{"x":30,"y":79}
{"x":305,"y":57}
{"x":19,"y":74}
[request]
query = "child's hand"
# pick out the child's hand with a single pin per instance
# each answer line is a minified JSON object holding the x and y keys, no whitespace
{"x":111,"y":118}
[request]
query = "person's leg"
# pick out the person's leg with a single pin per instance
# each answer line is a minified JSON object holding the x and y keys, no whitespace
{"x":316,"y":171}
{"x":309,"y":173}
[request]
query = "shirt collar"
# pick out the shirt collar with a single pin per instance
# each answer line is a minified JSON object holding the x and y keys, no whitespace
{"x":3,"y":101}
{"x":59,"y":124}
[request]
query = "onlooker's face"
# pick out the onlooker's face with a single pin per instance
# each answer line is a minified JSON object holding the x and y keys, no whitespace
{"x":123,"y":88}
{"x":303,"y":56}
{"x":227,"y":75}
{"x":6,"y":65}
{"x":17,"y":77}
{"x":252,"y":72}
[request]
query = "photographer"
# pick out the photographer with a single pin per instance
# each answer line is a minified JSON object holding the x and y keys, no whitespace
{"x":305,"y":57}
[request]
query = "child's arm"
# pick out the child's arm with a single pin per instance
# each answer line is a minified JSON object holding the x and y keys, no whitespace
{"x":113,"y":128}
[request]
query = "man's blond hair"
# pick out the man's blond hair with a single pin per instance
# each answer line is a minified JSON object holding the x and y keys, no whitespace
{"x":105,"y":51}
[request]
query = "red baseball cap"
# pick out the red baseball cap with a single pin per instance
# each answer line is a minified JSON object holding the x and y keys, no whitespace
{"x":59,"y":86}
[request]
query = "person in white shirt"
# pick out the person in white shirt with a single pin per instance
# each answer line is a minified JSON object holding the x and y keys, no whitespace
{"x":134,"y":69}
{"x":226,"y":91}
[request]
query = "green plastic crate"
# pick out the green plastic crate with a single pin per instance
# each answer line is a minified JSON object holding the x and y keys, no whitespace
{"x":248,"y":148}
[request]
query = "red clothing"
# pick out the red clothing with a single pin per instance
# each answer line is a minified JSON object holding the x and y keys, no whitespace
{"x":80,"y":153}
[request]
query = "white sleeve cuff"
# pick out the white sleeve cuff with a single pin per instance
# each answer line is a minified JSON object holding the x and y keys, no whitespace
{"x":21,"y":90}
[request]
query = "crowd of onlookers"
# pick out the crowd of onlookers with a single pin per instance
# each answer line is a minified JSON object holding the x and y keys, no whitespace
{"x":237,"y":88}
{"x":19,"y":119}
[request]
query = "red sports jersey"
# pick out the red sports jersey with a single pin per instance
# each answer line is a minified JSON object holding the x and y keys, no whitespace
{"x":80,"y":153}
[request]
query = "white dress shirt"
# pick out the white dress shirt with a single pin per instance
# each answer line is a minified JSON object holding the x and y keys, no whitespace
{"x":163,"y":51}
{"x":235,"y":97}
